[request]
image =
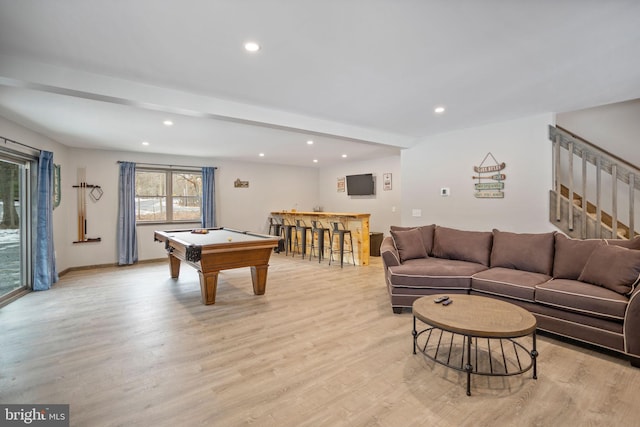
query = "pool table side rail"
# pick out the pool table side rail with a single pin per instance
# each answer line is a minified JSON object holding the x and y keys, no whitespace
{"x":193,"y":252}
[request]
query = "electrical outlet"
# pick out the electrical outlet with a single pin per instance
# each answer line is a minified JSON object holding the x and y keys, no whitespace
{"x":416,"y":212}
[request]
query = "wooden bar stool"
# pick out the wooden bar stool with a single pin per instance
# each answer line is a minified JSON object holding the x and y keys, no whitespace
{"x":339,"y":229}
{"x":300,"y":240}
{"x":318,"y":231}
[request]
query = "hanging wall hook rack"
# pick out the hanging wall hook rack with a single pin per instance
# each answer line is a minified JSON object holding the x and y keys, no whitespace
{"x":82,"y":206}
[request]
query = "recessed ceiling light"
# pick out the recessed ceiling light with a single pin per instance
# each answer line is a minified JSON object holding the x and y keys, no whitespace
{"x":261,"y":154}
{"x":315,"y":160}
{"x":145,"y":142}
{"x":344,"y":156}
{"x":439,"y":110}
{"x":251,"y":46}
{"x":309,"y":142}
{"x":168,"y":123}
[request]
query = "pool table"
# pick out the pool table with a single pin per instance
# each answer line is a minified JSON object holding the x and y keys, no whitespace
{"x":216,"y":249}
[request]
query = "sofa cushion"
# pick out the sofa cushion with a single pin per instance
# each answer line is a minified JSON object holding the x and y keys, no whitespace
{"x":508,"y":282}
{"x":571,"y":255}
{"x":583,"y":298}
{"x":472,"y":246}
{"x":434,"y":273}
{"x":427,"y":235}
{"x":409,"y":244}
{"x":613,"y":267}
{"x":527,"y":252}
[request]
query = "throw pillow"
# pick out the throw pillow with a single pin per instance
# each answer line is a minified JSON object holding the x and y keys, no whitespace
{"x":427,"y":235}
{"x":521,"y":251}
{"x":613,"y":267}
{"x":572,"y":255}
{"x":409,"y":244}
{"x":473,"y":246}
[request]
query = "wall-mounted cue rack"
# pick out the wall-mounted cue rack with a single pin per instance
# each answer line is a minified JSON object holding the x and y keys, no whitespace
{"x":95,"y":193}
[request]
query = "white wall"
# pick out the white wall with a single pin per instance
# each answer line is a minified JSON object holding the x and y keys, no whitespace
{"x":271,"y":188}
{"x":614,"y":127}
{"x":384,"y":206}
{"x":447,"y":160}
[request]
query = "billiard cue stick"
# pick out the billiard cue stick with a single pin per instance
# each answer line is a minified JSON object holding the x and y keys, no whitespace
{"x":81,"y":206}
{"x":84,"y":211}
{"x":80,"y":212}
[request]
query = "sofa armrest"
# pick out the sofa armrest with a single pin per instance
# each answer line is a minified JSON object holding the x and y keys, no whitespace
{"x":389,"y":253}
{"x":632,"y":325}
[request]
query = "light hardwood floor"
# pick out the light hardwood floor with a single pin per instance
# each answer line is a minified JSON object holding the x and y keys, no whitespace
{"x":129,"y":346}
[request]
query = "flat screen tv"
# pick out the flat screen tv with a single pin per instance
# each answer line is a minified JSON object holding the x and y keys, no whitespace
{"x":360,"y":185}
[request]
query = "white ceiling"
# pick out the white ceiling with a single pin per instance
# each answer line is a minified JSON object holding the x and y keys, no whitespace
{"x":360,"y":77}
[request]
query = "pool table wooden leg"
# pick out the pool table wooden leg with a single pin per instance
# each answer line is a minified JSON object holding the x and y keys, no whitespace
{"x":174,"y":266}
{"x":259,"y":278}
{"x":208,"y":286}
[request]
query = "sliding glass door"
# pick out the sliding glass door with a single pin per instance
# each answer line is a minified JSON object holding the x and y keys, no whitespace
{"x":15,"y":225}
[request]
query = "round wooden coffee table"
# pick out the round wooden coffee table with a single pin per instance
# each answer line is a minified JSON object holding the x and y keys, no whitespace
{"x":487,"y":325}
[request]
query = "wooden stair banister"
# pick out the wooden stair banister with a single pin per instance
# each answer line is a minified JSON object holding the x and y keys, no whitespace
{"x":618,"y":169}
{"x":623,"y":230}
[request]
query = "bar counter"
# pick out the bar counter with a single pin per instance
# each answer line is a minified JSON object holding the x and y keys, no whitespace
{"x":358,"y":223}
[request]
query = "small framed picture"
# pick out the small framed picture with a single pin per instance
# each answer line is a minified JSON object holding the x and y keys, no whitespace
{"x":240,"y":184}
{"x":340,"y":186}
{"x":386,"y":181}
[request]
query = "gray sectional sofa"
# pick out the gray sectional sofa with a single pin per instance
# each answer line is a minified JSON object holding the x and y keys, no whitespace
{"x":582,"y":289}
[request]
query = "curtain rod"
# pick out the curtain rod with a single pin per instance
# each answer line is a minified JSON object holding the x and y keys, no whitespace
{"x":164,"y":165}
{"x":19,"y":143}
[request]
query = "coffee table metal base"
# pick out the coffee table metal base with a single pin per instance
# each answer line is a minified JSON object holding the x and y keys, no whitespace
{"x":474,"y":355}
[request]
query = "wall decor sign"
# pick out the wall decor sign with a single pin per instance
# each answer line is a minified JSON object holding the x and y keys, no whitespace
{"x":57,"y":194}
{"x":340,"y":185}
{"x":240,"y":184}
{"x":386,"y":181}
{"x":489,"y":184}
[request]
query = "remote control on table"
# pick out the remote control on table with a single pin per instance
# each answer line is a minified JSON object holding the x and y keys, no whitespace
{"x":441,"y":299}
{"x":447,"y":302}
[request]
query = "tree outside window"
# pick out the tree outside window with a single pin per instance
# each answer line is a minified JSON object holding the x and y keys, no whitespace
{"x":168,"y":196}
{"x":186,"y":196}
{"x":9,"y":193}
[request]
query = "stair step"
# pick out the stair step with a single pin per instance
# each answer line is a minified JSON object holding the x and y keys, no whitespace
{"x":606,"y":221}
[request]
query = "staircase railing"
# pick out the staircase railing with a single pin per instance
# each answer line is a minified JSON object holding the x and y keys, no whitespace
{"x":572,"y":210}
